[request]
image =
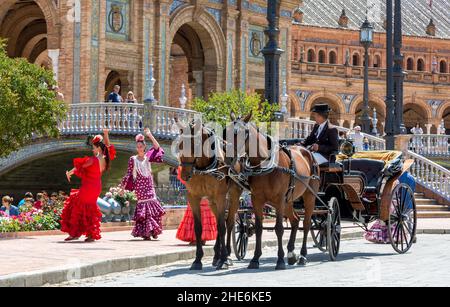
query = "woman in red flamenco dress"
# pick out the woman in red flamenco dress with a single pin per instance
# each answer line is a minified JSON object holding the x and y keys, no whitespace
{"x":186,"y":231}
{"x":81,"y":214}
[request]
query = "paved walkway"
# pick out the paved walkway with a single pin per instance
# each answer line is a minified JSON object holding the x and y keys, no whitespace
{"x":117,"y":251}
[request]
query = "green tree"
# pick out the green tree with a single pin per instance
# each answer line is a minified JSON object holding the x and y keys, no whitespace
{"x":220,"y":105}
{"x":27,"y":103}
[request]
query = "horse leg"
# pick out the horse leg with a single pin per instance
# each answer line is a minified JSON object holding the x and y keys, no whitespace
{"x":309,"y":200}
{"x":294,"y":221}
{"x":196,"y":211}
{"x":221,"y":230}
{"x":234,"y":195}
{"x":217,"y":244}
{"x":258,"y":207}
{"x":279,"y":230}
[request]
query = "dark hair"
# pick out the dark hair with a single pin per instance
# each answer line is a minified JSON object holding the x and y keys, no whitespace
{"x":28,"y":195}
{"x":104,"y":149}
{"x":105,"y":152}
{"x":54,"y":194}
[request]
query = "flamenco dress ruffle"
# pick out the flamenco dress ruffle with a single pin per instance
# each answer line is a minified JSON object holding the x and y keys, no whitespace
{"x":186,"y":230}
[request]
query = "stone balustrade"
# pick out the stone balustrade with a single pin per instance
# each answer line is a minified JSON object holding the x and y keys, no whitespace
{"x":430,"y":175}
{"x":432,"y":145}
{"x":343,"y":71}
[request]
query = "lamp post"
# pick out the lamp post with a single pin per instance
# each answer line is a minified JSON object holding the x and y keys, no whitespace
{"x":399,"y":127}
{"x":272,"y":54}
{"x":366,"y":39}
{"x":390,"y":101}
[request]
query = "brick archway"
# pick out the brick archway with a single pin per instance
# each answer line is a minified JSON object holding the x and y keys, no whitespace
{"x":374,"y":103}
{"x":204,"y":34}
{"x":332,"y":100}
{"x":21,"y":22}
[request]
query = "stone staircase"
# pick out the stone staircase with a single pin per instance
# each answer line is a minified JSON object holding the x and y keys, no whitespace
{"x":429,"y":208}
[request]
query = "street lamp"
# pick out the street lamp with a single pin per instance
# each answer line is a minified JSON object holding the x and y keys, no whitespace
{"x":366,"y":39}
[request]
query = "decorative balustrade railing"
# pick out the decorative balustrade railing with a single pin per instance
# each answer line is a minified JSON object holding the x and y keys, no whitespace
{"x":432,"y":145}
{"x":122,"y":118}
{"x":430,"y":175}
{"x":84,"y":118}
{"x":301,"y":128}
{"x":163,"y":120}
{"x":338,"y":70}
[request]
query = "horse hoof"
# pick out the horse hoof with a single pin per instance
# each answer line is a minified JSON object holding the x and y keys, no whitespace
{"x":292,"y":259}
{"x":215,"y":262}
{"x":229,"y":262}
{"x":302,"y":261}
{"x":280,"y":266}
{"x":222,"y":266}
{"x":254,"y":265}
{"x":196,"y":266}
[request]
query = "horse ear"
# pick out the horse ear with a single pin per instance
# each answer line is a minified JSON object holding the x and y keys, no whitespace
{"x":248,"y":117}
{"x":232,"y":116}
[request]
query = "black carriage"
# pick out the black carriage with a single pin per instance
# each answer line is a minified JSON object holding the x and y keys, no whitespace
{"x":360,"y":188}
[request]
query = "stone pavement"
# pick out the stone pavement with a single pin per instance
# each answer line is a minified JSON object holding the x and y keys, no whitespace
{"x":48,"y":260}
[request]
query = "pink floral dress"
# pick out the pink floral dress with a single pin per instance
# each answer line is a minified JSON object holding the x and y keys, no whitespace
{"x":149,"y":212}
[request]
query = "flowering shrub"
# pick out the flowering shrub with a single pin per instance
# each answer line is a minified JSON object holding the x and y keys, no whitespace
{"x":32,"y":219}
{"x":123,"y":197}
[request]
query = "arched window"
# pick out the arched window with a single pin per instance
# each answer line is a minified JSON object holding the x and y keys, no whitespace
{"x":410,"y":64}
{"x":443,"y":67}
{"x":420,"y":65}
{"x":332,"y":59}
{"x":311,"y":56}
{"x":322,"y":57}
{"x":377,"y":61}
{"x":356,"y":61}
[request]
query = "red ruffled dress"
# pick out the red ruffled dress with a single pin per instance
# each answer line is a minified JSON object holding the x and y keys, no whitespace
{"x":186,"y":230}
{"x":81,"y":214}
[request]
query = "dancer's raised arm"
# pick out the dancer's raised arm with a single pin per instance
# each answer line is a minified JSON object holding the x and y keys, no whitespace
{"x":149,"y":134}
{"x":106,"y":137}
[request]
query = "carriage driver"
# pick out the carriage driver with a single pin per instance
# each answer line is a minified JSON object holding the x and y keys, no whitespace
{"x":324,"y":138}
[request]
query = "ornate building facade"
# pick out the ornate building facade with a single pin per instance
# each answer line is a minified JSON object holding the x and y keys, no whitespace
{"x":214,"y":45}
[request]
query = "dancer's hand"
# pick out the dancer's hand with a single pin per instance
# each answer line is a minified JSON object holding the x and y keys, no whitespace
{"x":68,"y":175}
{"x":106,"y":131}
{"x":147,"y":132}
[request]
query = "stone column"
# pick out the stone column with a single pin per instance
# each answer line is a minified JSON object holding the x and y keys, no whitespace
{"x":341,"y":122}
{"x":162,"y":49}
{"x":428,"y":128}
{"x":53,"y":54}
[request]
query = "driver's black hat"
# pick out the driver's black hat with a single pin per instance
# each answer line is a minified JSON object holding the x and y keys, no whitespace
{"x":321,"y":109}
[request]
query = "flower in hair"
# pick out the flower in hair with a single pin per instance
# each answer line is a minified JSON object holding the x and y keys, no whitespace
{"x":97,"y":139}
{"x":140,"y":138}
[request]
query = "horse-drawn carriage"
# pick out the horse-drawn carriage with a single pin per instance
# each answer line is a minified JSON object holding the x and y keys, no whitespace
{"x":360,"y":188}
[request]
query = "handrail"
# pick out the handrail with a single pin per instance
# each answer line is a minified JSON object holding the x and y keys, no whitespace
{"x":430,"y":145}
{"x":430,"y":174}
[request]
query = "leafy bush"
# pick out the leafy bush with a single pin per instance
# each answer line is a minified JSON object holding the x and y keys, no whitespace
{"x":219,"y":106}
{"x":27,"y":103}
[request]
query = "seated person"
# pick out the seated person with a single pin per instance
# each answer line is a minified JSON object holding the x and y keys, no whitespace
{"x":324,"y":138}
{"x":8,"y":208}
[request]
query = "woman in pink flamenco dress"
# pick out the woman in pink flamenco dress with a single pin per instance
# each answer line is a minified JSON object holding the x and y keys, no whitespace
{"x":149,"y":212}
{"x":81,"y":215}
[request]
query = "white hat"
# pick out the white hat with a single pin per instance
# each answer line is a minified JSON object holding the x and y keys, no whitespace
{"x":357,"y":128}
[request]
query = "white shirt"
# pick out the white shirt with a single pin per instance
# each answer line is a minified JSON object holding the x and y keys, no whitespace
{"x":358,"y":139}
{"x":321,"y":127}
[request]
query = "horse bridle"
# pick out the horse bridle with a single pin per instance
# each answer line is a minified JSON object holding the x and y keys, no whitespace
{"x":212,"y":168}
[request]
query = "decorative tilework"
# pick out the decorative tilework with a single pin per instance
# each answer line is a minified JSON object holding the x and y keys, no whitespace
{"x":176,"y":4}
{"x":147,"y":56}
{"x":230,"y":63}
{"x":435,"y":105}
{"x":244,"y":63}
{"x":303,"y":96}
{"x":76,"y":62}
{"x":216,"y":13}
{"x":347,"y":99}
{"x":118,"y":19}
{"x":95,"y":24}
{"x":162,"y":98}
{"x":256,"y":43}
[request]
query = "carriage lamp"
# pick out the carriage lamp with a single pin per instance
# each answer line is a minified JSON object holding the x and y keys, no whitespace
{"x":347,"y":149}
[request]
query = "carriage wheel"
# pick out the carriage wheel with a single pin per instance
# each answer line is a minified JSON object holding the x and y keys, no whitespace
{"x":241,"y":234}
{"x":319,"y":232}
{"x":402,"y":223}
{"x":333,"y":228}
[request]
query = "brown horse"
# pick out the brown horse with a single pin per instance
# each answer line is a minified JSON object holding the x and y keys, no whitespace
{"x":205,"y":176}
{"x":275,"y":185}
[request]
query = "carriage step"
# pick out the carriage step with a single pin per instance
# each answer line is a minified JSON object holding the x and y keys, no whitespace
{"x":435,"y":208}
{"x":433,"y":214}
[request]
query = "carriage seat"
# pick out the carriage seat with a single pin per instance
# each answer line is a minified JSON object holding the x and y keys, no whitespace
{"x":372,"y":169}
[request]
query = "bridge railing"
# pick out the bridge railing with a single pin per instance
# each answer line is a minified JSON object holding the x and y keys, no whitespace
{"x":301,"y":128}
{"x":123,"y":118}
{"x":432,"y":145}
{"x":430,"y":174}
{"x":163,"y":120}
{"x":120,"y":118}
